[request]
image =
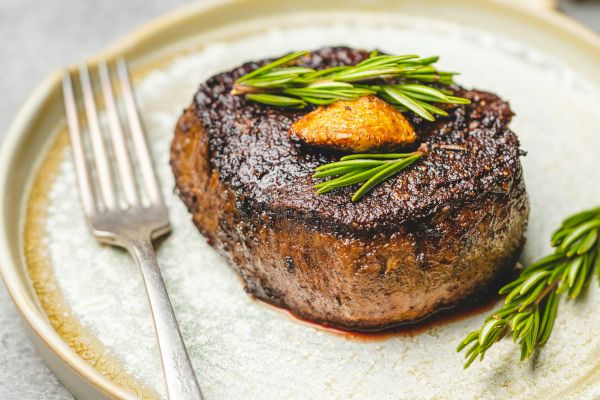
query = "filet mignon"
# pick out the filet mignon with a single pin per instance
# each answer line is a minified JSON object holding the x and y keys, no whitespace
{"x":443,"y":229}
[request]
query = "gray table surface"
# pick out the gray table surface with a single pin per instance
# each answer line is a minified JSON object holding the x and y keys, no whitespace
{"x":36,"y":38}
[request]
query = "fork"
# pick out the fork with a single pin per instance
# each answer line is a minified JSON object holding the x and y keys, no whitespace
{"x":117,"y":212}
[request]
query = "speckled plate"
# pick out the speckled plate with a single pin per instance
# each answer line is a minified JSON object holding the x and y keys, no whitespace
{"x":85,"y":304}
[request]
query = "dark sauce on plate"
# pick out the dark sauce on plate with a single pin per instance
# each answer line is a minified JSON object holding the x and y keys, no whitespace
{"x":406,"y":329}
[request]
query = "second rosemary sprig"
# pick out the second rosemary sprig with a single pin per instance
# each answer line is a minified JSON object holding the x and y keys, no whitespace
{"x":531,"y":303}
{"x":403,"y":81}
{"x":368,"y":169}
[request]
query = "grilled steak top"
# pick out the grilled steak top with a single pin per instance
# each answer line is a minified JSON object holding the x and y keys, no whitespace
{"x":443,"y":229}
{"x":472,"y":155}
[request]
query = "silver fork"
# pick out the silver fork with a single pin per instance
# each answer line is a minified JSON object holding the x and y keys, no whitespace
{"x":120,"y":217}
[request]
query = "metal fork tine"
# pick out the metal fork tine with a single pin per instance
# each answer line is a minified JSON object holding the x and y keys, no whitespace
{"x":98,"y":148}
{"x":137,"y":135}
{"x":118,"y":138}
{"x":84,"y":180}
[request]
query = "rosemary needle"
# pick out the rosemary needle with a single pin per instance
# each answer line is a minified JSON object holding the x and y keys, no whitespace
{"x":385,"y":174}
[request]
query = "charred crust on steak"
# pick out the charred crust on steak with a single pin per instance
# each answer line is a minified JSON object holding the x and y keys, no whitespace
{"x":250,"y":148}
{"x":443,"y":229}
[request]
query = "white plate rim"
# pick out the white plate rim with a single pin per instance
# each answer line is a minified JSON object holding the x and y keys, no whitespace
{"x":79,"y":376}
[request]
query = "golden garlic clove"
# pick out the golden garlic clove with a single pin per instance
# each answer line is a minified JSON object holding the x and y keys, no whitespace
{"x":364,"y":124}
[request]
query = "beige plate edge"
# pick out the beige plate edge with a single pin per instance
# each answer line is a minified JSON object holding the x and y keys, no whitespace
{"x":43,"y":109}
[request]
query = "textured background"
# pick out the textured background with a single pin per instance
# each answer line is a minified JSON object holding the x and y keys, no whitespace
{"x":36,"y":38}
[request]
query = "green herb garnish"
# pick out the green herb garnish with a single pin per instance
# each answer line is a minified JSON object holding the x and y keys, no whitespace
{"x":404,"y":81}
{"x":531,"y":303}
{"x":372,"y":169}
{"x":399,"y":80}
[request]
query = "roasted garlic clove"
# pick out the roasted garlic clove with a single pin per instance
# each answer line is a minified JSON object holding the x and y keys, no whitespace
{"x":364,"y":124}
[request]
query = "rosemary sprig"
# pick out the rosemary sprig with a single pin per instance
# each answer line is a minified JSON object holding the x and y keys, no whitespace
{"x":372,"y":169}
{"x":531,"y":303}
{"x":403,"y":81}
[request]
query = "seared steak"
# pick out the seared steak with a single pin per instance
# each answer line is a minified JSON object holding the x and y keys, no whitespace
{"x":443,"y":229}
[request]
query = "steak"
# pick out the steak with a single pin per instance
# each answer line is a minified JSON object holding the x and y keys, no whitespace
{"x":445,"y":228}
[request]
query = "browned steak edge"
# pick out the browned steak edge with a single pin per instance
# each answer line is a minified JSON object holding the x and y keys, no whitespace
{"x":345,"y":281}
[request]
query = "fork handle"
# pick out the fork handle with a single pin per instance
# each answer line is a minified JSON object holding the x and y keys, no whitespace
{"x":179,"y":373}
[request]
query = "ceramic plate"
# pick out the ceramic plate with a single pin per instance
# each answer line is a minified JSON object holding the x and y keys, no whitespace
{"x":85,"y":303}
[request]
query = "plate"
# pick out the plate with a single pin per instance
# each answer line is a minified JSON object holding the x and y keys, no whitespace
{"x":85,"y":304}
